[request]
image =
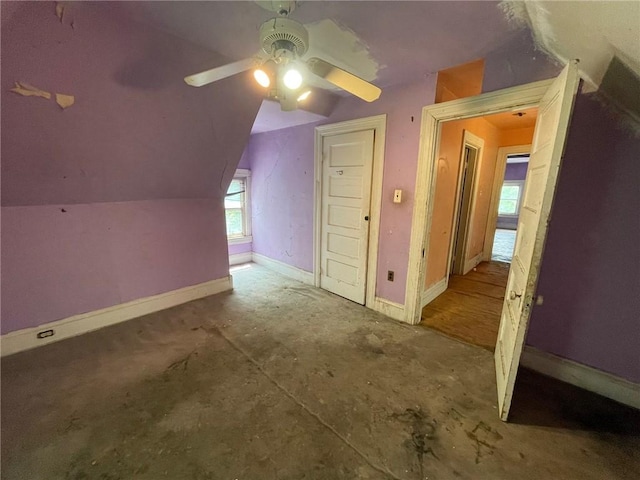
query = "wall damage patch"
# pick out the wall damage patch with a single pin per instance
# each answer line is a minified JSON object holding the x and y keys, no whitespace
{"x":65,"y":101}
{"x":27,"y":90}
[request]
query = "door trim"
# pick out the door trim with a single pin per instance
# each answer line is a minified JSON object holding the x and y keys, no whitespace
{"x":378,"y":124}
{"x":473,"y":141}
{"x":498,"y":179}
{"x":509,"y":99}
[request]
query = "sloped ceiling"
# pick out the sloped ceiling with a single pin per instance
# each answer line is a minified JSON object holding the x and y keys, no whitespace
{"x":592,"y":32}
{"x":397,"y":42}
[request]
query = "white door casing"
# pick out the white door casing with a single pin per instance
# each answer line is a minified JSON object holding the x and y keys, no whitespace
{"x":547,"y":149}
{"x":460,"y":235}
{"x":347,"y":163}
{"x":509,"y":99}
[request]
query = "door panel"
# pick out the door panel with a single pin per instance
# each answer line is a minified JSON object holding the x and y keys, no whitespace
{"x":347,"y":162}
{"x":546,"y":154}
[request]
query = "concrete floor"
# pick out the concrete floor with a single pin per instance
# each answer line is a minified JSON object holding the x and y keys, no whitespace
{"x":279,"y":380}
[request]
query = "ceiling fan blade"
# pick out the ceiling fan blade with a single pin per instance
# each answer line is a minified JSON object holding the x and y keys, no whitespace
{"x":343,"y":79}
{"x":218,"y":73}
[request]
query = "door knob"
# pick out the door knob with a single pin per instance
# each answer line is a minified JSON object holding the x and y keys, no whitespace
{"x":513,"y":295}
{"x":366,"y":218}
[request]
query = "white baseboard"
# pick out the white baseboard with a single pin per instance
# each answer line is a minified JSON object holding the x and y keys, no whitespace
{"x":240,"y":258}
{"x":433,"y":291}
{"x":388,"y":308}
{"x":26,"y":339}
{"x":582,"y":376}
{"x":472,"y":263}
{"x":284,"y":269}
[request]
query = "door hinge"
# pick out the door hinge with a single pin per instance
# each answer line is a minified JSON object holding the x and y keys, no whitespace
{"x":423,"y":253}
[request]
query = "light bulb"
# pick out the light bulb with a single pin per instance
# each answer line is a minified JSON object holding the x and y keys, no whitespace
{"x":304,"y":95}
{"x":262,"y":77}
{"x":292,"y":79}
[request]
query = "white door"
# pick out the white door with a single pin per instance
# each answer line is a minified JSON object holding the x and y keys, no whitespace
{"x":546,"y":153}
{"x":347,"y":161}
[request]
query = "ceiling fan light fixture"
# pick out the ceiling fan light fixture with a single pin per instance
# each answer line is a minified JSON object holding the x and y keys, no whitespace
{"x":304,"y":95}
{"x":262,"y":77}
{"x":292,"y":79}
{"x":265,"y":73}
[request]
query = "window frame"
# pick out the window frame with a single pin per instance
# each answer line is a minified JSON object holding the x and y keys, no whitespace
{"x":512,"y":183}
{"x":243,"y":175}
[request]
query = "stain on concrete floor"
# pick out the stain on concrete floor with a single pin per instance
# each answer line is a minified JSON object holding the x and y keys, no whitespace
{"x":279,"y":380}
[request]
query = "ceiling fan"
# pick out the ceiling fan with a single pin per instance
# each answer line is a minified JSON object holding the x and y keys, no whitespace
{"x":279,"y":67}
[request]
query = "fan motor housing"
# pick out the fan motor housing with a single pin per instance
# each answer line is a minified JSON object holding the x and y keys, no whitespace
{"x":284,"y":31}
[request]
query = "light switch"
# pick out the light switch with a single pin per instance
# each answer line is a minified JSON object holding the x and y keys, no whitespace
{"x":397,"y":196}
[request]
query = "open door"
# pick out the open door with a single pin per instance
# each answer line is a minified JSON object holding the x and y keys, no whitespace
{"x":546,"y":153}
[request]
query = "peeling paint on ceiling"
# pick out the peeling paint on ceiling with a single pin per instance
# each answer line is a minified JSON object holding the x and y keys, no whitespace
{"x":593,"y":32}
{"x":342,"y":47}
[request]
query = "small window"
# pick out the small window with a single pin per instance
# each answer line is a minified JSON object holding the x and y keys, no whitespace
{"x":510,"y":196}
{"x":237,"y":208}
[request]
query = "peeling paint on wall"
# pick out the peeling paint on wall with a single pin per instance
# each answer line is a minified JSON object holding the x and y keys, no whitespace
{"x":65,"y":101}
{"x":27,"y":90}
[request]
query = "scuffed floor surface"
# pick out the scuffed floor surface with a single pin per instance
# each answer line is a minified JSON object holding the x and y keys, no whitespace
{"x":279,"y":380}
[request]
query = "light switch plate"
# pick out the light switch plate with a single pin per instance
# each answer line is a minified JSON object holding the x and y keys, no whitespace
{"x":397,"y":196}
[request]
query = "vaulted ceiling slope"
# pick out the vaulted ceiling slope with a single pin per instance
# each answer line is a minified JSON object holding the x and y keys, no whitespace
{"x":593,"y":32}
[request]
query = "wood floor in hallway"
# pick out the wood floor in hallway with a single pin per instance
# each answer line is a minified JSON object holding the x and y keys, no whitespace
{"x":469,"y":310}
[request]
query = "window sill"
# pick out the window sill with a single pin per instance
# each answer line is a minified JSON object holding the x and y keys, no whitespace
{"x":239,"y":240}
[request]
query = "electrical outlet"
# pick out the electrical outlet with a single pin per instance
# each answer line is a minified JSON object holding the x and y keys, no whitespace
{"x":390,"y":275}
{"x":45,"y":334}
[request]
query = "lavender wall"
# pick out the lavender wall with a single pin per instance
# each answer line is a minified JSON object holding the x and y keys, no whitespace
{"x":517,"y":62}
{"x":516,"y":171}
{"x":282,"y":168}
{"x":139,"y":163}
{"x":245,"y":159}
{"x":590,"y":280}
{"x":56,"y":264}
{"x":237,"y":248}
{"x":282,"y":195}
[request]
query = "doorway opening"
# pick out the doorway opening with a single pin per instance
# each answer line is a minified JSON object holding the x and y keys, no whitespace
{"x":510,"y":180}
{"x":468,"y":210}
{"x":472,"y":149}
{"x":554,"y":100}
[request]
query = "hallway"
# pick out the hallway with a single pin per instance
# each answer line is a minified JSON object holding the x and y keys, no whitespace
{"x":469,"y":310}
